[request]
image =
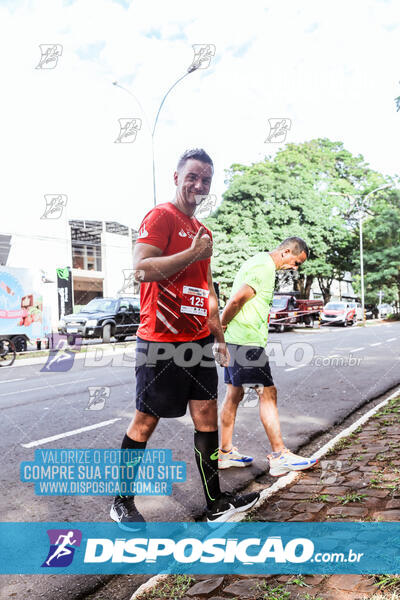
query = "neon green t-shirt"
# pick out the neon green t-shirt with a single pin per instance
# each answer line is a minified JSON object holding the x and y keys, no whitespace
{"x":250,"y":326}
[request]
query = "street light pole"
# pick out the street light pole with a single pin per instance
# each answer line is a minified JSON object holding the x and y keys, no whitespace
{"x":360,"y":217}
{"x":362,"y":268}
{"x":153,"y":131}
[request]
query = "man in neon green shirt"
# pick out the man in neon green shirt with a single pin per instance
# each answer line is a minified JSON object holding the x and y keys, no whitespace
{"x":245,"y":322}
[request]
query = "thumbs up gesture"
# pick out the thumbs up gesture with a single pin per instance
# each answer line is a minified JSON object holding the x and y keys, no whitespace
{"x":202,"y":245}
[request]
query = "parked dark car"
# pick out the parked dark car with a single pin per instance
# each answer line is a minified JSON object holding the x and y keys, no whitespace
{"x":104,"y":318}
{"x":371,"y":311}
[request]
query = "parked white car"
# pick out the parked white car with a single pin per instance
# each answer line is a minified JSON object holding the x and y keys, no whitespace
{"x":359,"y":310}
{"x":385,"y":310}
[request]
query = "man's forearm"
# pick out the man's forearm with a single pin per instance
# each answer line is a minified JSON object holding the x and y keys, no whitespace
{"x":157,"y":268}
{"x":230,"y":312}
{"x":214,"y":322}
{"x":215,"y":327}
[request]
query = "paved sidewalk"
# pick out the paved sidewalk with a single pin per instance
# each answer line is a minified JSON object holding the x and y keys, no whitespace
{"x":358,"y":481}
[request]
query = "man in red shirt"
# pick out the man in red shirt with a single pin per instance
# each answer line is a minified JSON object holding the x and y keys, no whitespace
{"x":179,"y":322}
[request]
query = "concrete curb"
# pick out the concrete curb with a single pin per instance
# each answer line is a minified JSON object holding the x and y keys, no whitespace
{"x":282,"y":483}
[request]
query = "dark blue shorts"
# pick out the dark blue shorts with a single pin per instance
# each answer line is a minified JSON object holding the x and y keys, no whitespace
{"x":164,"y":385}
{"x":248,"y":365}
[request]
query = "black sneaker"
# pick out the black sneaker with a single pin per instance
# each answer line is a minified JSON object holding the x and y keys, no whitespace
{"x":227,"y":505}
{"x":125,"y":513}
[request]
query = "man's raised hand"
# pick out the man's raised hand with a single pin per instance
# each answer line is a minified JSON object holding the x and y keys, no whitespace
{"x":202,"y":245}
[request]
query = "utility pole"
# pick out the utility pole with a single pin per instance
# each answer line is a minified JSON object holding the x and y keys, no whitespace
{"x":362,"y":268}
{"x":203,"y":55}
{"x":358,"y":203}
{"x":380,"y":302}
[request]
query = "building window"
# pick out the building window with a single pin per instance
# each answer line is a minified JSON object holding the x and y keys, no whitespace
{"x":86,"y":257}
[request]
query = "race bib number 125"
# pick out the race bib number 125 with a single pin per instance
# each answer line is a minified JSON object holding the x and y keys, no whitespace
{"x":194,"y":300}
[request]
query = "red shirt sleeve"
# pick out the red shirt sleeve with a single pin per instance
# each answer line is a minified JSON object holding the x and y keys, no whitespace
{"x":155,"y":229}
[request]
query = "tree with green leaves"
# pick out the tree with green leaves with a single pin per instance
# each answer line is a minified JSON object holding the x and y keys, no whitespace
{"x":381,"y":235}
{"x":288,"y":195}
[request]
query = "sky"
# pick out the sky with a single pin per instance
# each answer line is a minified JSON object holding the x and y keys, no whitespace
{"x":331,"y":68}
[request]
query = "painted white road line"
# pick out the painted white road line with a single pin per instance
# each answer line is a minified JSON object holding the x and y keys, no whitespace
{"x":357,"y":349}
{"x":9,"y":380}
{"x":53,"y":438}
{"x":294,"y":368}
{"x":391,"y":340}
{"x":376,"y":344}
{"x":43,"y":387}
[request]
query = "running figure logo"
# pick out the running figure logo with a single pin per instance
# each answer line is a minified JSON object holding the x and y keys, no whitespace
{"x":278,"y":129}
{"x":205,"y":204}
{"x":63,"y":359}
{"x":50,"y":54}
{"x":131,"y":280}
{"x":330,"y":471}
{"x":251,"y":395}
{"x":63,"y":543}
{"x":203,"y":54}
{"x":55,"y":204}
{"x":128,"y":130}
{"x":97,"y":397}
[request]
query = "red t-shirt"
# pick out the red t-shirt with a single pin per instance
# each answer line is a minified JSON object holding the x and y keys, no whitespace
{"x":174,"y":309}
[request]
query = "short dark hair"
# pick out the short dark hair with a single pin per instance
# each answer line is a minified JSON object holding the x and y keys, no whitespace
{"x":194,"y":154}
{"x":296,"y":244}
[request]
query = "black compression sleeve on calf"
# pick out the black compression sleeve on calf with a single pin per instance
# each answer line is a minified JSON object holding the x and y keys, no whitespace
{"x":129,"y":444}
{"x":206,"y":452}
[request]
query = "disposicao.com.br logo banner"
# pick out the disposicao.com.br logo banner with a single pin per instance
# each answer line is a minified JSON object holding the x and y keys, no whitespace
{"x":209,"y":548}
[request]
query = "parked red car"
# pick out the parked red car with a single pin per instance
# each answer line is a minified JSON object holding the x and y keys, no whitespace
{"x":339,"y":313}
{"x":288,"y":311}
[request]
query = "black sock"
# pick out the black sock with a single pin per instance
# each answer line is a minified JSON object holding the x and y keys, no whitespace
{"x":129,"y":443}
{"x":206,"y":452}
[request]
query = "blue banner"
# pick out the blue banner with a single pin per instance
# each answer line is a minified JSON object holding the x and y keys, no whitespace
{"x":103,"y":472}
{"x":202,"y":548}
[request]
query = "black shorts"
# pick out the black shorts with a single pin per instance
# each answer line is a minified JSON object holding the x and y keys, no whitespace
{"x":165,"y":385}
{"x":248,"y":365}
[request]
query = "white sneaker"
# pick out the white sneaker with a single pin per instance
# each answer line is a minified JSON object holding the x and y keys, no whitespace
{"x":287,"y":461}
{"x":233,"y":458}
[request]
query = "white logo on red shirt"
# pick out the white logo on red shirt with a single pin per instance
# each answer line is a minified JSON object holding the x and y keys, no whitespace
{"x":182,"y":233}
{"x":142,"y":232}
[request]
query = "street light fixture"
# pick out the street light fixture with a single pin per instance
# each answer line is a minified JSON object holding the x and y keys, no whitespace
{"x":152,"y":131}
{"x":360,"y":217}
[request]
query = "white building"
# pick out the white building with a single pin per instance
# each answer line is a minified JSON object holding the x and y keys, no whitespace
{"x":340,"y":289}
{"x":98,"y":253}
{"x":101,"y":253}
